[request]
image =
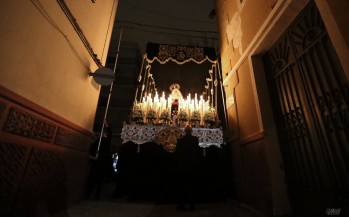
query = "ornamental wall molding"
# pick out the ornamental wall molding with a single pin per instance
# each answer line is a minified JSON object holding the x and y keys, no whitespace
{"x":25,"y":119}
{"x":26,"y":125}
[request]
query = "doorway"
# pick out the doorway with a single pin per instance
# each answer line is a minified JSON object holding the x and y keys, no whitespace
{"x":310,"y":98}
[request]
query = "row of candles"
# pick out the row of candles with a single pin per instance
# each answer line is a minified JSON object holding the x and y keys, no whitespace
{"x":189,"y":105}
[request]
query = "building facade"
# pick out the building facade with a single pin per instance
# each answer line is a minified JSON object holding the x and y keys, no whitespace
{"x":286,"y":81}
{"x":48,"y":100}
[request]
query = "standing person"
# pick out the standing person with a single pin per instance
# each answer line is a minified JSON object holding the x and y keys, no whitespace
{"x":187,"y":166}
{"x":100,"y":162}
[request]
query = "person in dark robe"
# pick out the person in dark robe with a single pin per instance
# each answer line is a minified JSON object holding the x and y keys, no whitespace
{"x":188,"y":155}
{"x":100,"y":163}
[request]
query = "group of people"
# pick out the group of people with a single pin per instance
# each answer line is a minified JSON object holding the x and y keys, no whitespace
{"x":187,"y":163}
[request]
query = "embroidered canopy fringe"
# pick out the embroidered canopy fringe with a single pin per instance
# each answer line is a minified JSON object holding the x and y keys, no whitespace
{"x":179,"y":54}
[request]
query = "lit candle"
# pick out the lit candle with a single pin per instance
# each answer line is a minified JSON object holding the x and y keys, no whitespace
{"x":169,"y":102}
{"x":196,"y":102}
{"x":162,"y":99}
{"x":144,"y":105}
{"x":201,"y":106}
{"x":149,"y":102}
{"x":191,"y":108}
{"x":156,"y":101}
{"x":188,"y":104}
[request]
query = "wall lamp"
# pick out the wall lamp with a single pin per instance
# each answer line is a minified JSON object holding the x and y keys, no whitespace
{"x":103,"y":76}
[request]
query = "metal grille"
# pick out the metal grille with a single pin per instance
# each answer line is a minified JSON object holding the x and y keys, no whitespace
{"x":310,"y":95}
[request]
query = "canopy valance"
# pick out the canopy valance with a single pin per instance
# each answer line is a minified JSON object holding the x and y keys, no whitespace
{"x":179,"y":54}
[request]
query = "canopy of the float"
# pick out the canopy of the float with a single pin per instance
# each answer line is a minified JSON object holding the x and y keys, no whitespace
{"x":187,"y":66}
